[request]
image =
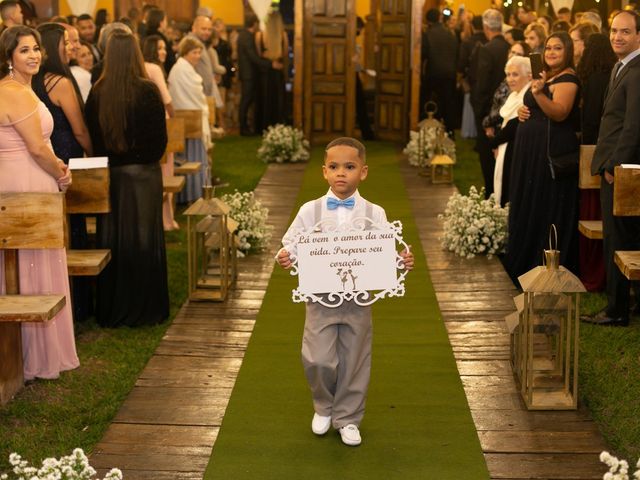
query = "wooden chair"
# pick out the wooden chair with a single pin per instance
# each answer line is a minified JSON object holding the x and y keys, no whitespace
{"x":589,"y":228}
{"x":192,"y":120}
{"x":28,"y":220}
{"x":626,"y":191}
{"x":88,"y":194}
{"x":212,"y":111}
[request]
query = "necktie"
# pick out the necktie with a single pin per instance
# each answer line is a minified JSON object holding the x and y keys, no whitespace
{"x":333,"y":203}
{"x":614,"y":73}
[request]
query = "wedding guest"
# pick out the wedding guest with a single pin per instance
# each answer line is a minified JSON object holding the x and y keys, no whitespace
{"x":439,"y":54}
{"x":564,"y":15}
{"x":156,"y":24}
{"x":187,"y":93}
{"x":593,"y":18}
{"x":87,"y":30}
{"x":28,"y":164}
{"x":534,"y":36}
{"x":154,"y":51}
{"x":550,"y":119}
{"x":273,"y":44}
{"x":492,"y":122}
{"x":560,"y":26}
{"x":518,"y":78}
{"x":223,"y":49}
{"x":492,"y":58}
{"x":594,"y":72}
{"x":126,"y":119}
{"x":618,"y":143}
{"x":579,"y":34}
{"x":102,"y":18}
{"x":82,"y":70}
{"x":10,"y":14}
{"x":546,"y":21}
{"x":467,"y":66}
{"x":514,"y":35}
{"x":105,"y":33}
{"x":250,"y":65}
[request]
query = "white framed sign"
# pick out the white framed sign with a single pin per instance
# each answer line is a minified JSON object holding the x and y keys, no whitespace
{"x":357,"y":261}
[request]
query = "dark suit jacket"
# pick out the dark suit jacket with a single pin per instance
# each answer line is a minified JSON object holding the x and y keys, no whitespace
{"x":492,"y":57}
{"x":619,"y":136}
{"x":248,"y":59}
{"x":439,"y":51}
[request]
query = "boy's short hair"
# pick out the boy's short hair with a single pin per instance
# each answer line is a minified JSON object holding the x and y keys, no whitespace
{"x":348,"y":142}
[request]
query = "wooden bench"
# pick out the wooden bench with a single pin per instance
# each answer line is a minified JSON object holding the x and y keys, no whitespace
{"x":591,"y":229}
{"x":88,"y":194}
{"x":173,"y":184}
{"x":28,"y":220}
{"x":626,"y":192}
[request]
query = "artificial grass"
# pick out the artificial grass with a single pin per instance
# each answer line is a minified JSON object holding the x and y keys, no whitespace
{"x":417,"y":422}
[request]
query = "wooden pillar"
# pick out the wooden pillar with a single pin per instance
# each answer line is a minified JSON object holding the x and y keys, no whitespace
{"x":298,"y":63}
{"x":11,"y":375}
{"x":416,"y":62}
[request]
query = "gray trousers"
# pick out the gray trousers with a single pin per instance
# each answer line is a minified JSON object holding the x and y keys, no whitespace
{"x":336,"y":355}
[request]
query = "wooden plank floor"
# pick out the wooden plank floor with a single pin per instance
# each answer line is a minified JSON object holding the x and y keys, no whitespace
{"x":168,"y":424}
{"x":474,"y":296}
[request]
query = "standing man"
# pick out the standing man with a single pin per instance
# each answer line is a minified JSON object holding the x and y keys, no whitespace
{"x":11,"y":14}
{"x":618,"y":143}
{"x":491,"y":59}
{"x":439,"y":55}
{"x":201,"y":30}
{"x":250,"y":65}
{"x":87,"y":30}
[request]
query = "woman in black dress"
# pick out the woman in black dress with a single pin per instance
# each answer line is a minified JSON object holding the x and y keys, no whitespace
{"x":537,"y":200}
{"x":126,"y":119}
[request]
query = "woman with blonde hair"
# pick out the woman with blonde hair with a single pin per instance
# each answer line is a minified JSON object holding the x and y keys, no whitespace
{"x":126,"y":118}
{"x":534,"y":36}
{"x":187,"y":92}
{"x":273,"y":44}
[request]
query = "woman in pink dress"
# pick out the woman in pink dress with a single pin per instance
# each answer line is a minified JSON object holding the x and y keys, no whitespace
{"x":28,"y":164}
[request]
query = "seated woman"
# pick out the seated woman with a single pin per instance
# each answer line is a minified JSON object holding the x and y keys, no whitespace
{"x":126,"y":118}
{"x":518,"y":71}
{"x":185,"y":87}
{"x":28,"y":164}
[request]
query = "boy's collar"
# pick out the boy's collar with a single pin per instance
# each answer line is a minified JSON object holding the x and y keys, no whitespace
{"x":355,"y":196}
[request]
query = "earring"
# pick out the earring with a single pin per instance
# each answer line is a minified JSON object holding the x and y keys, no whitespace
{"x":11,"y":76}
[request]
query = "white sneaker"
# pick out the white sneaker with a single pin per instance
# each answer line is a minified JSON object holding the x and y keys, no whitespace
{"x":350,"y":435}
{"x":320,"y":425}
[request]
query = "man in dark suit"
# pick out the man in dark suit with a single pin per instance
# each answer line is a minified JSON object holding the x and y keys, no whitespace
{"x":250,"y":65}
{"x":491,"y":59}
{"x":439,"y":54}
{"x":618,"y":143}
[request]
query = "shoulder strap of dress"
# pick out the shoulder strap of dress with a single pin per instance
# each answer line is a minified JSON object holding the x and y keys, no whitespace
{"x":21,"y":119}
{"x":51,"y":81}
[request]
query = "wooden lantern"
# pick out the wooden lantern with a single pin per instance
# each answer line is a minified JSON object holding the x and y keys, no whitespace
{"x":549,"y":334}
{"x":211,"y":248}
{"x":442,"y":169}
{"x":514,"y":326}
{"x":425,"y":127}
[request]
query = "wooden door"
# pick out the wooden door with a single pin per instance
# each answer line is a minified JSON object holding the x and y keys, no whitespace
{"x":394,"y":69}
{"x":329,"y":75}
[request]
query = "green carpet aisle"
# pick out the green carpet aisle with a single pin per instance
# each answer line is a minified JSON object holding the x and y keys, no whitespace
{"x":417,"y":422}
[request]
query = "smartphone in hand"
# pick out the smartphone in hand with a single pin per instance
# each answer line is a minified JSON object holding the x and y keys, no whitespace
{"x":536,"y":65}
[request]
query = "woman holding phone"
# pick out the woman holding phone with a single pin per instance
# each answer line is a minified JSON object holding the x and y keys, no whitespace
{"x":549,"y":121}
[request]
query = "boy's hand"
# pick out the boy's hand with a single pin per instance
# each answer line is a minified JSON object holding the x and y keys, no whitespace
{"x":407,"y":258}
{"x":284,"y":259}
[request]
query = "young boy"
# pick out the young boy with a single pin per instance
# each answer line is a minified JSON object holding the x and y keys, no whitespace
{"x":336,"y":345}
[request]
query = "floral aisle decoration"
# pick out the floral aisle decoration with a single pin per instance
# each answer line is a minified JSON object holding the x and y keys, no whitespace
{"x":618,"y":469}
{"x":73,"y":467}
{"x":253,"y":232}
{"x":473,"y":225}
{"x":431,"y":145}
{"x":282,"y":143}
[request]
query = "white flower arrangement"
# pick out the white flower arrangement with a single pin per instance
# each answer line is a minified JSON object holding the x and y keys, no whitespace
{"x":473,"y":225}
{"x":430,"y":147}
{"x":618,"y":469}
{"x":73,"y":467}
{"x":282,"y":143}
{"x":253,"y":231}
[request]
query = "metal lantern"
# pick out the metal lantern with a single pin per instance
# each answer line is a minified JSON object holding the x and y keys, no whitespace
{"x":211,"y":248}
{"x":424,"y":127}
{"x":549,"y":333}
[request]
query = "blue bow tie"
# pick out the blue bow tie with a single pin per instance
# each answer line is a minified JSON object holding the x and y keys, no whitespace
{"x":333,"y":203}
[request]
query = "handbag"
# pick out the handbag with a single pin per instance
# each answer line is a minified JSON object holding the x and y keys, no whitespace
{"x":564,"y":164}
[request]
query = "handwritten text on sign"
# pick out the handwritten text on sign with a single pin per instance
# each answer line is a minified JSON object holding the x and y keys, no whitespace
{"x":344,"y":261}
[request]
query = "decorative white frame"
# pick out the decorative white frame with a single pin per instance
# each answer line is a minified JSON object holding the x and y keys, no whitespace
{"x":362,"y":298}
